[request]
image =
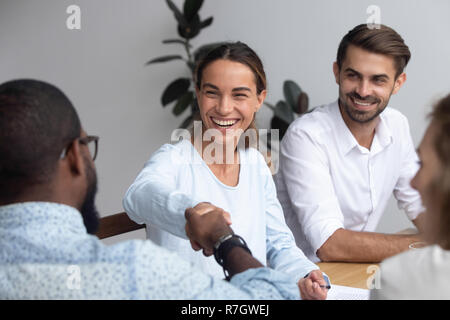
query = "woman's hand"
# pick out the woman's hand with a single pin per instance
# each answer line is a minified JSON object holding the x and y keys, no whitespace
{"x":205,"y":207}
{"x":205,"y":224}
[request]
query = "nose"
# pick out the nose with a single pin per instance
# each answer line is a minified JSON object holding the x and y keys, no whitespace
{"x":363,"y":88}
{"x":225,"y":105}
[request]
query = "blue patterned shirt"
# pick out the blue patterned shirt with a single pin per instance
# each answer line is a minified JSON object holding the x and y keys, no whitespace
{"x":46,"y":253}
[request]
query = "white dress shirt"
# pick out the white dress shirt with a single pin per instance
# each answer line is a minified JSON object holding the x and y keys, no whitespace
{"x":327,"y":181}
{"x":414,"y":275}
{"x":176,"y":178}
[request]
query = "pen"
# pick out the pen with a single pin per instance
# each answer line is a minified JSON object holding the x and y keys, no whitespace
{"x":327,"y":280}
{"x":325,"y":287}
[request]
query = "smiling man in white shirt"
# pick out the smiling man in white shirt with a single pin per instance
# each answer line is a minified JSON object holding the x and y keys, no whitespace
{"x":340,"y":163}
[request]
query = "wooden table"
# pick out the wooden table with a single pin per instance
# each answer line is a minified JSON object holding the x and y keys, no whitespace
{"x":349,"y":274}
{"x":356,"y":275}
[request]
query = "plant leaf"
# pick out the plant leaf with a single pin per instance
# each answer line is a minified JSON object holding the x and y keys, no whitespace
{"x":280,"y":124}
{"x":291,"y":92}
{"x":284,"y":112}
{"x":302,"y":103}
{"x":180,"y":41}
{"x":207,"y":22}
{"x":191,"y":8}
{"x":185,"y":124}
{"x":271,"y":106}
{"x":165,"y":59}
{"x":191,"y":66}
{"x":190,"y":29}
{"x":175,"y":90}
{"x":178,"y":15}
{"x":183,"y":103}
{"x":194,"y":106}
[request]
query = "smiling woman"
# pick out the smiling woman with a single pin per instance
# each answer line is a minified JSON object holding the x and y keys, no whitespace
{"x":230,"y":87}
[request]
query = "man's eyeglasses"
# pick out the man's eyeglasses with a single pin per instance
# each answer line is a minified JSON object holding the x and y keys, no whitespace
{"x":93,"y":147}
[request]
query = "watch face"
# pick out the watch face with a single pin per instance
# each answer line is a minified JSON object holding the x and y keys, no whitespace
{"x":327,"y":280}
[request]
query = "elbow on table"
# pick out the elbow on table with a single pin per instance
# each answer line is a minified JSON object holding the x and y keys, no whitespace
{"x":334,"y":249}
{"x":329,"y":252}
{"x":324,"y":254}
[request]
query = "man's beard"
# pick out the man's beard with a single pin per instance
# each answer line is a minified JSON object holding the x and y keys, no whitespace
{"x":88,"y":210}
{"x":361,"y":116}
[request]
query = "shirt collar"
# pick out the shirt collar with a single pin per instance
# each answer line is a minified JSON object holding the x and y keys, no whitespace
{"x":346,"y":141}
{"x":42,"y":215}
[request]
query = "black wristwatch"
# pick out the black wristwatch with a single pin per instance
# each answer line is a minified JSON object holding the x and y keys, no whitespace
{"x":223,"y":247}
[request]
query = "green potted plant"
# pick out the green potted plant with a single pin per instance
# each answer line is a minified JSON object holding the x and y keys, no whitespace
{"x":285,"y":111}
{"x":181,"y":91}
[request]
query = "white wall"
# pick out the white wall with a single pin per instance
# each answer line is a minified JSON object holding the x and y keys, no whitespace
{"x":101,"y":66}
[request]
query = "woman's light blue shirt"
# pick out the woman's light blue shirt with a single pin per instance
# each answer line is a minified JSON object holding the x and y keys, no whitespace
{"x":176,"y":178}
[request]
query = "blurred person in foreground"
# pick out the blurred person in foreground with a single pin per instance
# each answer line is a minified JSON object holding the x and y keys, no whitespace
{"x":424,"y":273}
{"x":48,"y":220}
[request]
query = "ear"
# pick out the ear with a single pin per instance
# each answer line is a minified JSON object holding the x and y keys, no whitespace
{"x":399,"y":82}
{"x":261,"y":97}
{"x":75,"y":159}
{"x":336,"y":72}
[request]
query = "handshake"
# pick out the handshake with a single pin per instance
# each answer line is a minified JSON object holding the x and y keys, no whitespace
{"x":206,"y":224}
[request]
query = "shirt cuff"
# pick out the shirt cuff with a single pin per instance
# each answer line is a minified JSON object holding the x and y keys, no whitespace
{"x":265,"y":283}
{"x":182,"y":203}
{"x":319,"y":234}
{"x":413,"y":211}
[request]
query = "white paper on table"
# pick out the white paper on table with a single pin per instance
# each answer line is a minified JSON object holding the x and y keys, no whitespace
{"x":347,"y":293}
